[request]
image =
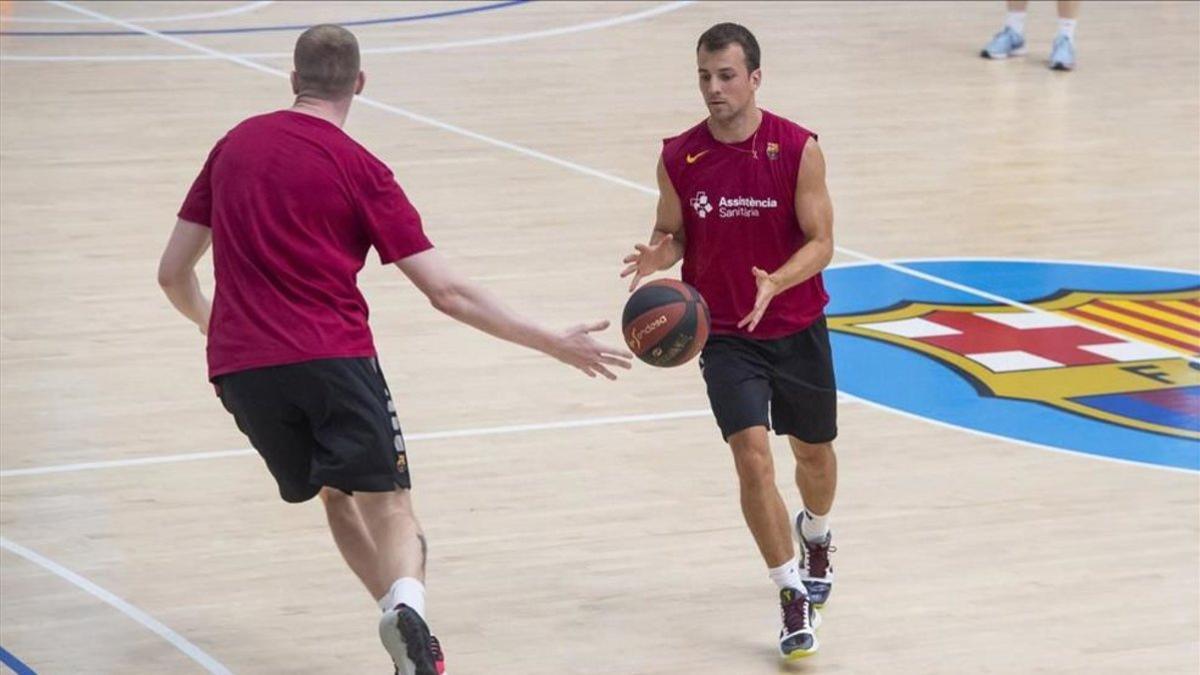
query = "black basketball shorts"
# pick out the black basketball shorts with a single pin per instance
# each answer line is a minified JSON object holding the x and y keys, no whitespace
{"x":329,"y":422}
{"x":792,"y":377}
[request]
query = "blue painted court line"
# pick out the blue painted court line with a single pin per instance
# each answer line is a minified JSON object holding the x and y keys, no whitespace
{"x":267,"y":29}
{"x":14,"y":664}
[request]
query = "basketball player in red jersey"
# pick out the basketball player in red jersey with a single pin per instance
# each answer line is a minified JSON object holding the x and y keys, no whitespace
{"x":291,"y":206}
{"x":743,"y":203}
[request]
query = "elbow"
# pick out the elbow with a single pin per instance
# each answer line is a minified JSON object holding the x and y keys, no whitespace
{"x":167,"y":279}
{"x":447,"y":299}
{"x":825,"y":251}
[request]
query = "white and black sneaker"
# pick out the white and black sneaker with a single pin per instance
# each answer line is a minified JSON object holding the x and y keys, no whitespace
{"x":406,"y":637}
{"x":815,"y":569}
{"x":798,"y":637}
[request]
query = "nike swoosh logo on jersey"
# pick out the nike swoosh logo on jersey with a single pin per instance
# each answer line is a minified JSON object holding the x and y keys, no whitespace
{"x":691,"y":159}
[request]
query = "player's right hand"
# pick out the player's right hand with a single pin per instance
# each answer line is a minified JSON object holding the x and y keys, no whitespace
{"x":647,"y":259}
{"x":576,"y":348}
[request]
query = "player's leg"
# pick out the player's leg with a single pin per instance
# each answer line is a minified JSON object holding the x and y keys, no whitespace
{"x":361,"y":451}
{"x":401,"y":550}
{"x":816,"y":477}
{"x":816,"y":474}
{"x":1010,"y":41}
{"x":398,"y":538}
{"x":804,"y":407}
{"x":393,"y":582}
{"x":736,"y":374}
{"x":306,"y":418}
{"x":766,"y":516}
{"x":1062,"y":52}
{"x":739,"y":391}
{"x":353,"y":540}
{"x":762,"y":506}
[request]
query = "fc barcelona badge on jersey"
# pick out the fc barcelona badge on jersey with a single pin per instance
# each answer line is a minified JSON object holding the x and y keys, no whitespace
{"x":772,"y":151}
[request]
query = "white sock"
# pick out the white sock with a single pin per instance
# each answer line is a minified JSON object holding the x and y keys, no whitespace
{"x":1015,"y":21}
{"x":405,"y":590}
{"x":1067,"y":27}
{"x":787,"y":575}
{"x":814,"y":527}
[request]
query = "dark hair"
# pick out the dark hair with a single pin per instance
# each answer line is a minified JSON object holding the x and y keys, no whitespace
{"x":326,"y":61}
{"x":722,"y":35}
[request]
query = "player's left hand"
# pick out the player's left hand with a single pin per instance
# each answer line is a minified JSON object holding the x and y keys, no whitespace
{"x":767,"y":289}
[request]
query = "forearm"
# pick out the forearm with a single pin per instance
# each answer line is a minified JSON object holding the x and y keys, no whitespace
{"x":479,"y":308}
{"x":805,"y":263}
{"x":186,"y":296}
{"x":177,"y":271}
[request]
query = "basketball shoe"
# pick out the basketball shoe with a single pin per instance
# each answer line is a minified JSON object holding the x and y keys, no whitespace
{"x":1004,"y":44}
{"x":406,"y":637}
{"x":798,"y":637}
{"x":1062,"y":54}
{"x":816,"y":570}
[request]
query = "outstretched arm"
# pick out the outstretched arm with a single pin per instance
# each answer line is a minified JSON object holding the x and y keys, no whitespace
{"x":472,"y":304}
{"x":177,"y":271}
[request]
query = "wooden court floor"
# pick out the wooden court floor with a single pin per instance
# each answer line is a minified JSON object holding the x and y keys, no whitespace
{"x":567,"y":534}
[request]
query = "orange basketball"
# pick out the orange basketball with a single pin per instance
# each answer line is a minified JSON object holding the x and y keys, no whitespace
{"x":665,"y":323}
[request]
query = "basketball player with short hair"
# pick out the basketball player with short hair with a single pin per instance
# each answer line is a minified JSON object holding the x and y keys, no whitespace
{"x":291,"y":206}
{"x":743,"y":204}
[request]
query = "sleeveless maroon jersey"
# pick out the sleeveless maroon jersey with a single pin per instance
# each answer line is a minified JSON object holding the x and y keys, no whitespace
{"x":739,"y":212}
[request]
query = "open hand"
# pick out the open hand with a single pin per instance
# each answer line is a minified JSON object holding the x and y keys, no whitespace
{"x":576,"y":348}
{"x":647,"y":259}
{"x":767,"y":289}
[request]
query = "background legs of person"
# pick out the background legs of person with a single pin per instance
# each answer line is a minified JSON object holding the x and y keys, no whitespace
{"x":1010,"y":41}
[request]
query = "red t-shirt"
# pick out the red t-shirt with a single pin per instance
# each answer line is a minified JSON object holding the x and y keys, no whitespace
{"x":739,"y":212}
{"x":295,"y":205}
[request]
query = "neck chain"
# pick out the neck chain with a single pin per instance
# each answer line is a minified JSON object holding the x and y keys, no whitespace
{"x":753,"y":151}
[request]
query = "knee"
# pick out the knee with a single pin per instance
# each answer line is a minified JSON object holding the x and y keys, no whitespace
{"x":813,"y":456}
{"x":754,"y":466}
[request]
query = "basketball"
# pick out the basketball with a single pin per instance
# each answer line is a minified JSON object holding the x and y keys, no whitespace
{"x":665,"y":323}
